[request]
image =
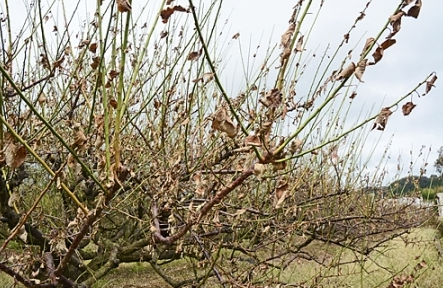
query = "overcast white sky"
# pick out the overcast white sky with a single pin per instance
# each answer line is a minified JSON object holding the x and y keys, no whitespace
{"x":418,"y":52}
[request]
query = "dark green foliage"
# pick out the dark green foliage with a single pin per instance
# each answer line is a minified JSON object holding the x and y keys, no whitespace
{"x":411,"y":184}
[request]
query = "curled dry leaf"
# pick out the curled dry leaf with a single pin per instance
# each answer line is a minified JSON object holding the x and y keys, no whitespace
{"x":123,"y":6}
{"x":347,"y":72}
{"x":281,"y":191}
{"x":286,"y":42}
{"x":415,"y":10}
{"x":236,"y":35}
{"x":207,"y":77}
{"x":353,"y":95}
{"x":388,"y":43}
{"x":395,"y":21}
{"x":382,"y":119}
{"x":199,"y":184}
{"x":407,"y":108}
{"x":15,"y":156}
{"x":95,"y":62}
{"x":194,"y":55}
{"x":223,"y":123}
{"x":42,"y":98}
{"x":430,"y":84}
{"x":166,"y":13}
{"x":397,"y":16}
{"x":113,"y":74}
{"x":272,"y":99}
{"x":58,"y":63}
{"x":79,"y":139}
{"x":93,"y":47}
{"x":360,"y":70}
{"x":253,"y":140}
{"x":295,"y":146}
{"x":378,"y":54}
{"x":368,"y":45}
{"x":299,"y":47}
{"x":163,"y":34}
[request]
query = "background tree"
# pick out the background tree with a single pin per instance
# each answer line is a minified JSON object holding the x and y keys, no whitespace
{"x":439,"y":162}
{"x":123,"y":145}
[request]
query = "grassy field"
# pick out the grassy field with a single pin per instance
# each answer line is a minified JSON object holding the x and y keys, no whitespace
{"x":395,"y":258}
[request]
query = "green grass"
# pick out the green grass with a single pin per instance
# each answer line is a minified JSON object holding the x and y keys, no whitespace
{"x":394,"y":258}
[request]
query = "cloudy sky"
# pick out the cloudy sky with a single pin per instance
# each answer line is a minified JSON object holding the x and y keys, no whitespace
{"x":418,"y":52}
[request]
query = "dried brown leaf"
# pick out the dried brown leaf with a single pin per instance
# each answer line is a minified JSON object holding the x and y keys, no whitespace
{"x":414,"y":11}
{"x":281,"y":192}
{"x":377,"y":55}
{"x":360,"y":70}
{"x":397,"y":16}
{"x":194,"y":55}
{"x":382,"y":119}
{"x":93,"y":47}
{"x":58,"y":63}
{"x":223,"y":123}
{"x":353,"y":95}
{"x":299,"y":47}
{"x":286,"y":42}
{"x":430,"y":84}
{"x":295,"y":146}
{"x":236,"y":35}
{"x":123,"y":6}
{"x":347,"y":72}
{"x":113,"y":74}
{"x":253,"y":140}
{"x":79,"y":139}
{"x":395,"y":21}
{"x":95,"y":62}
{"x":166,"y":13}
{"x":272,"y":99}
{"x":407,"y":108}
{"x":163,"y":34}
{"x":207,"y":77}
{"x":388,"y":43}
{"x":15,"y":156}
{"x":42,"y":98}
{"x":368,"y":45}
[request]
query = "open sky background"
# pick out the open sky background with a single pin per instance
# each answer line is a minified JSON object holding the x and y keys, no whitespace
{"x":418,"y":52}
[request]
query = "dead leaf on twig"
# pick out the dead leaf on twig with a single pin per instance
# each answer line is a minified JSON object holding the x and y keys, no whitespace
{"x":123,"y":6}
{"x":360,"y":70}
{"x":168,"y":11}
{"x":368,"y":45}
{"x":299,"y":47}
{"x":347,"y":72}
{"x":407,"y":108}
{"x":430,"y":84}
{"x":415,"y":10}
{"x":382,"y":119}
{"x":15,"y":156}
{"x":253,"y":140}
{"x":281,"y":192}
{"x":272,"y":99}
{"x":223,"y":123}
{"x":285,"y":42}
